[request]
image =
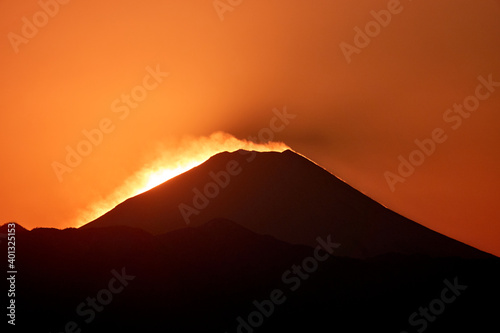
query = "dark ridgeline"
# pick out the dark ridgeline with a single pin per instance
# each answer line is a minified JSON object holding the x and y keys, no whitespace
{"x":239,"y":249}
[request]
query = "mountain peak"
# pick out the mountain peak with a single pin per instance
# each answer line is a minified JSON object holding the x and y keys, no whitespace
{"x":4,"y":229}
{"x":284,"y":195}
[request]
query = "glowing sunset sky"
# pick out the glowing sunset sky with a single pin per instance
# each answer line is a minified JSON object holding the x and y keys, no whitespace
{"x":196,"y":70}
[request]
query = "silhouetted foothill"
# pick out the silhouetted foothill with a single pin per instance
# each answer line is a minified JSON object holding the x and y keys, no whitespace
{"x":214,"y":277}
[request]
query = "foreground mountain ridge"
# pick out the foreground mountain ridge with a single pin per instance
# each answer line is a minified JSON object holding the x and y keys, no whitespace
{"x":209,"y":278}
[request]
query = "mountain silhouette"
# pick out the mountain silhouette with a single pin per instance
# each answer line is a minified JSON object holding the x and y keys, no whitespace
{"x":283,"y":195}
{"x":218,"y":277}
{"x":251,"y":242}
{"x":4,"y":229}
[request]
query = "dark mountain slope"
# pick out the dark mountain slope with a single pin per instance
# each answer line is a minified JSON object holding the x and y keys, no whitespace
{"x":283,"y":195}
{"x":204,"y":279}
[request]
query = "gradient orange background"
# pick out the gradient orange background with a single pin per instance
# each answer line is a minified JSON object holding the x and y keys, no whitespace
{"x":354,"y":119}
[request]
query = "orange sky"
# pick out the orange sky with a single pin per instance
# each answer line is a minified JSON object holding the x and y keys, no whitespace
{"x":354,"y":118}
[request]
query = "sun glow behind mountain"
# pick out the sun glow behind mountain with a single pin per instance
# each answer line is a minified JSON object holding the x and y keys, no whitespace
{"x":169,"y":164}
